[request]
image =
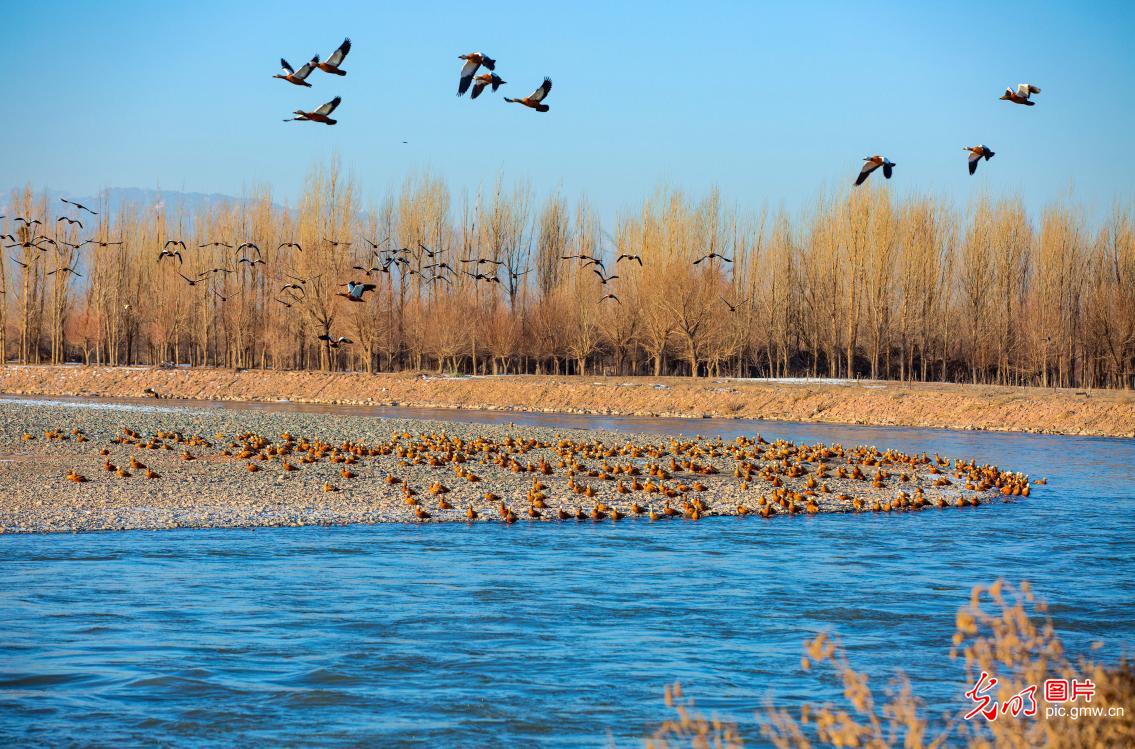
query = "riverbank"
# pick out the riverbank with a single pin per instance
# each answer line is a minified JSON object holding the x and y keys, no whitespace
{"x":947,"y":406}
{"x":70,"y":468}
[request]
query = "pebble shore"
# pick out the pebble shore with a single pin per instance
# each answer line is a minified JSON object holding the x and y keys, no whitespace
{"x":69,"y":468}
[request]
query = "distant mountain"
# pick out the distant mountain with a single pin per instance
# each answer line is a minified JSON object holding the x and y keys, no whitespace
{"x":112,"y":199}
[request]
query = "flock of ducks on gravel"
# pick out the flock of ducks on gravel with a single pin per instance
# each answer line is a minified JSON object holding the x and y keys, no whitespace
{"x":603,"y":481}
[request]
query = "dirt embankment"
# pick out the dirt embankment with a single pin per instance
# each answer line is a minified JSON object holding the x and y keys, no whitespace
{"x":1099,"y":413}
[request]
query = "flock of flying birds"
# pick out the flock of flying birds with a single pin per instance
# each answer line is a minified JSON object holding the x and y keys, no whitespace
{"x":384,"y":260}
{"x":1023,"y":95}
{"x":469,"y":78}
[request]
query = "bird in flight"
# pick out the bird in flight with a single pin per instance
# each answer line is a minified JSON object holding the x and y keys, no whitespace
{"x":65,"y":269}
{"x":871,"y":164}
{"x":603,"y":279}
{"x":289,"y":244}
{"x":174,"y":243}
{"x":28,"y":222}
{"x":624,"y":256}
{"x":733,"y":307}
{"x":473,"y":61}
{"x":167,"y":252}
{"x":299,"y":77}
{"x":322,"y":114}
{"x":335,"y":342}
{"x":226,"y":245}
{"x":355,"y":290}
{"x":295,"y":286}
{"x":1022,"y":95}
{"x":80,"y":206}
{"x":610,"y":296}
{"x":712,"y":256}
{"x":976,"y":154}
{"x":188,"y":280}
{"x":332,"y":63}
{"x":483,"y":80}
{"x":71,"y":221}
{"x":536,"y":98}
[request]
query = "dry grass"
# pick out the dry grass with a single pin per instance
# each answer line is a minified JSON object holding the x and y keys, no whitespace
{"x":1004,"y":633}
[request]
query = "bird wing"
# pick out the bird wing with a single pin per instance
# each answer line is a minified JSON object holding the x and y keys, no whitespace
{"x":973,"y":159}
{"x":329,"y":107}
{"x":539,"y":94}
{"x":888,"y":169}
{"x":865,"y":172}
{"x":478,"y":87}
{"x":1033,"y":89}
{"x":305,"y":71}
{"x":288,"y":69}
{"x":467,"y":72}
{"x":337,"y":56}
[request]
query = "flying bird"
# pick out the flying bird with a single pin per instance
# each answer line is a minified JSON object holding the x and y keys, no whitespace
{"x":733,"y":307}
{"x":290,"y":244}
{"x":483,"y":80}
{"x":28,"y":222}
{"x":609,"y":296}
{"x":188,"y":280}
{"x":1022,"y":95}
{"x":80,"y":206}
{"x":299,"y":78}
{"x":71,"y":221}
{"x":711,"y":256}
{"x":355,"y":290}
{"x":637,"y":258}
{"x":871,"y":164}
{"x":603,"y":279}
{"x":976,"y":154}
{"x":226,"y":245}
{"x":473,"y":61}
{"x":166,"y":252}
{"x":65,"y":269}
{"x":535,"y":99}
{"x":335,"y":342}
{"x":321,"y":114}
{"x":174,"y":243}
{"x":295,"y":286}
{"x":332,"y":63}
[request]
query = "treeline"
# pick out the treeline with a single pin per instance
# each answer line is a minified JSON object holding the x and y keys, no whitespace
{"x":863,"y":286}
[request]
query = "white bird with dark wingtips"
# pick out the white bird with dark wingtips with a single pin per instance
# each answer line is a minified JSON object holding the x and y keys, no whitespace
{"x":871,"y":164}
{"x":1021,"y":95}
{"x":976,"y":154}
{"x":473,"y":61}
{"x":299,"y":77}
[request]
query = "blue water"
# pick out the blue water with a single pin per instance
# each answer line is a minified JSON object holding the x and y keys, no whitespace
{"x":544,"y":634}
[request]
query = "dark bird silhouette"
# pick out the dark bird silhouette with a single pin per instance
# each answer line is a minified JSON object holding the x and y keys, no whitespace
{"x":624,"y":256}
{"x":321,"y":114}
{"x":28,"y":222}
{"x":71,"y":221}
{"x":336,"y":242}
{"x":166,"y":252}
{"x":871,"y":163}
{"x":174,"y":243}
{"x":610,"y":296}
{"x":473,"y":61}
{"x":711,"y":256}
{"x":299,"y":77}
{"x":100,"y":243}
{"x":188,"y":280}
{"x":335,"y":342}
{"x":733,"y":307}
{"x":226,"y":245}
{"x":80,"y":206}
{"x":483,"y":80}
{"x":976,"y":154}
{"x":281,"y":301}
{"x":603,"y":279}
{"x":65,"y":269}
{"x":536,"y":98}
{"x":289,"y":244}
{"x":332,"y":63}
{"x":295,"y":287}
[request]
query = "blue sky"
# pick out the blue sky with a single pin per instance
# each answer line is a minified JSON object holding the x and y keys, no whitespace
{"x":773,"y":103}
